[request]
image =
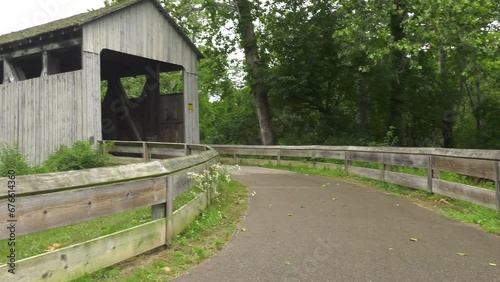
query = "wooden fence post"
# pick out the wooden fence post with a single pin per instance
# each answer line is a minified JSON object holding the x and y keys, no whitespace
{"x":435,"y":171}
{"x":158,"y":211}
{"x":145,"y":152}
{"x":497,"y":184}
{"x":187,"y":149}
{"x":170,"y":210}
{"x":348,"y":162}
{"x":385,"y":167}
{"x":429,"y":173}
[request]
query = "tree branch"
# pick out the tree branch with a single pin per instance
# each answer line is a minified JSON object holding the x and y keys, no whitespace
{"x":197,"y":9}
{"x":312,"y":105}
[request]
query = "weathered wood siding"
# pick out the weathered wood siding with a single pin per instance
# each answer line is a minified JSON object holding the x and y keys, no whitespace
{"x":141,"y":30}
{"x":44,"y":113}
{"x":91,"y":64}
{"x":191,"y":114}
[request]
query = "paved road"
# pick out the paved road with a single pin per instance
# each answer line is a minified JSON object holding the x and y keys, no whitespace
{"x":362,"y":235}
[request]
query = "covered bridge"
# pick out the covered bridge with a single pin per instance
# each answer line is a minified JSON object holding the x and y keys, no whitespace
{"x":51,"y":80}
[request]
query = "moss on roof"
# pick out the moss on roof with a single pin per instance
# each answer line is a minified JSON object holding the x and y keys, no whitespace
{"x":75,"y":20}
{"x":80,"y":19}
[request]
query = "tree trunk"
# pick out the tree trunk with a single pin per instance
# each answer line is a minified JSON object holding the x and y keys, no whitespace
{"x":364,"y":106}
{"x":449,"y":116}
{"x":478,"y":115}
{"x":396,"y":100}
{"x":246,"y":30}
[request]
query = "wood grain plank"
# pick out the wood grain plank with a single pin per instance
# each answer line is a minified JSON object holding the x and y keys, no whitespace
{"x":328,"y":154}
{"x":170,"y":152}
{"x":126,"y":149}
{"x":366,"y":156}
{"x":50,"y":182}
{"x":366,"y":172}
{"x":181,"y":181}
{"x":406,"y":159}
{"x":478,"y":168}
{"x":74,"y":261}
{"x":464,"y":192}
{"x":295,"y":153}
{"x":42,"y":212}
{"x":407,"y":180}
{"x":247,"y":151}
{"x":187,"y":213}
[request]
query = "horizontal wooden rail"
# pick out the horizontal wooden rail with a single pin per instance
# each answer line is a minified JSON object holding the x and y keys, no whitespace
{"x":483,"y":164}
{"x":52,"y":200}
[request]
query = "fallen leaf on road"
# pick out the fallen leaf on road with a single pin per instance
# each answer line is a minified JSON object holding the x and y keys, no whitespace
{"x":334,"y":199}
{"x":287,"y":262}
{"x":397,"y":205}
{"x":492,"y":264}
{"x":390,"y":249}
{"x":462,"y":254}
{"x":290,"y":214}
{"x":243,"y":229}
{"x":302,"y":207}
{"x":413,"y":239}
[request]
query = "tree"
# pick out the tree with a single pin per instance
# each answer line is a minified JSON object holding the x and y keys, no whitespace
{"x":241,"y":15}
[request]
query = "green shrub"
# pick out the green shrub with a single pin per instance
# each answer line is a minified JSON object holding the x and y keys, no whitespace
{"x":12,"y":159}
{"x":79,"y":156}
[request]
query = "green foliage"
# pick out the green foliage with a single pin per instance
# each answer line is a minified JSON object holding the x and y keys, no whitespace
{"x":12,"y":159}
{"x":202,"y":238}
{"x":343,"y":73}
{"x":81,"y":155}
{"x":390,"y":137}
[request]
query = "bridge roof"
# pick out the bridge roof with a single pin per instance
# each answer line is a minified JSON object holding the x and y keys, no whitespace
{"x":77,"y":21}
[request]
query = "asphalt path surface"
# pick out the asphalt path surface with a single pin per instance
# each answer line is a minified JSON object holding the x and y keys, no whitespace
{"x":312,"y":228}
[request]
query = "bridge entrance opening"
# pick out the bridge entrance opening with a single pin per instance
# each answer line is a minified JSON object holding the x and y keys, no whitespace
{"x":142,"y":99}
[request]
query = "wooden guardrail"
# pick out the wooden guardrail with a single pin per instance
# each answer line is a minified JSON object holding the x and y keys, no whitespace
{"x":477,"y":163}
{"x":52,"y":200}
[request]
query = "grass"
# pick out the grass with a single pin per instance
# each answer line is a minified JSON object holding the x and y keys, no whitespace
{"x":209,"y":233}
{"x":206,"y":235}
{"x":485,"y":218}
{"x":36,"y":243}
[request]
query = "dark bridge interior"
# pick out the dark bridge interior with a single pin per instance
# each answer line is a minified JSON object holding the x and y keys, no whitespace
{"x":148,"y":116}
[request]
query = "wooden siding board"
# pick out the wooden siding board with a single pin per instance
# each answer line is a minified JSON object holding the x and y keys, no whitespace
{"x":129,"y":29}
{"x":44,"y":113}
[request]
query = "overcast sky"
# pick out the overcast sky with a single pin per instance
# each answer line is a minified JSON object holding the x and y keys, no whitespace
{"x":21,"y":14}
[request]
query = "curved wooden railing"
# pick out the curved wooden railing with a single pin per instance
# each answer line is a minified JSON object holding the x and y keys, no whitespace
{"x":52,"y":200}
{"x":484,"y":164}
